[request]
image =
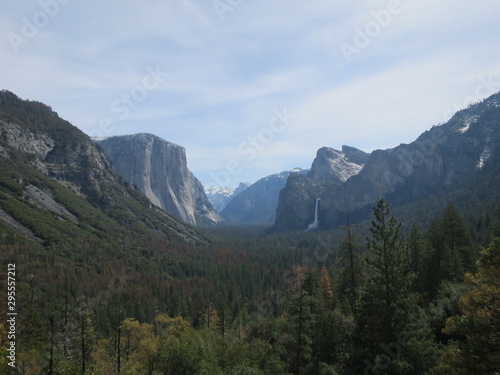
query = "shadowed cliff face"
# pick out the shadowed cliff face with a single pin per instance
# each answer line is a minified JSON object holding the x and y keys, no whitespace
{"x":440,"y":157}
{"x":330,"y":168}
{"x":159,"y":169}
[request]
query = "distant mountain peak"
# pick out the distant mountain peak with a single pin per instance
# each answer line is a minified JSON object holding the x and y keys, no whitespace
{"x":257,"y":204}
{"x":221,"y":196}
{"x":332,"y":165}
{"x":355,"y":155}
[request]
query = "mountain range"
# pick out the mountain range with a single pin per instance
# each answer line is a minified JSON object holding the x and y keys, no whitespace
{"x":53,"y":171}
{"x":444,"y":157}
{"x":257,"y":203}
{"x":220,"y":196}
{"x":57,"y":186}
{"x":113,"y":276}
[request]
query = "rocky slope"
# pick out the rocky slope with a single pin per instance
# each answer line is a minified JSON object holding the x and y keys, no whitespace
{"x":159,"y":169}
{"x":57,"y":185}
{"x":221,"y":196}
{"x":329,"y":169}
{"x":440,"y":157}
{"x":257,"y":204}
{"x":331,"y":165}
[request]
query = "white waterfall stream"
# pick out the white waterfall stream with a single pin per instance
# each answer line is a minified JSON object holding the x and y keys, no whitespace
{"x":314,"y":224}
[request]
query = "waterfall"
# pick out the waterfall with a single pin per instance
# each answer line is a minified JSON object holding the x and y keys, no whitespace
{"x":314,"y":224}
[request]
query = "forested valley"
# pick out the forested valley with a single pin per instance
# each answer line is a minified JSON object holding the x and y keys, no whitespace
{"x":381,"y":297}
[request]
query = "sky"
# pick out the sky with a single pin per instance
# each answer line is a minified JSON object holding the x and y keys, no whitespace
{"x":252,"y":87}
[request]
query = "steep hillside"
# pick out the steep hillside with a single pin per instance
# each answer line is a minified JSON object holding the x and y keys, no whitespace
{"x":439,"y":158}
{"x":56,"y":185}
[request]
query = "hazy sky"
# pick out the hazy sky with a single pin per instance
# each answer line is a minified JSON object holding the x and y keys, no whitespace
{"x":252,"y":87}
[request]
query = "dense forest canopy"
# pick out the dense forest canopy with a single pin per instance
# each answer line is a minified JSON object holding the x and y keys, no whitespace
{"x":256,"y":303}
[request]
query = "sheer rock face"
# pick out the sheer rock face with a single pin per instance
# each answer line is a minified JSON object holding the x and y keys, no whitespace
{"x":330,"y":168}
{"x":159,"y":169}
{"x":440,"y":157}
{"x":332,"y":165}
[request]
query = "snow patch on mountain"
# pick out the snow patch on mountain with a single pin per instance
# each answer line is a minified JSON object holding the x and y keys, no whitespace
{"x":284,"y":175}
{"x":220,"y":196}
{"x":468,"y":123}
{"x":484,"y":158}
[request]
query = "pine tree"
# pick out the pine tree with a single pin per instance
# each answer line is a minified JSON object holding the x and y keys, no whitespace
{"x":302,"y":306}
{"x":333,"y":328}
{"x":222,"y":314}
{"x":325,"y":284}
{"x":452,"y":253}
{"x":389,"y":278}
{"x":210,"y":314}
{"x":455,"y":244}
{"x":393,"y":331}
{"x":459,"y":244}
{"x":351,"y":268}
{"x":477,"y":333}
{"x":419,"y":253}
{"x":496,"y":223}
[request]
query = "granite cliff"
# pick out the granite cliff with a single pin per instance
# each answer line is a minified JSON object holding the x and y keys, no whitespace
{"x":330,"y":168}
{"x":159,"y":169}
{"x":259,"y":202}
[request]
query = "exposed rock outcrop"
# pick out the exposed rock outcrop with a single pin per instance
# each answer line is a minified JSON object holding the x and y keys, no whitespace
{"x":330,"y":168}
{"x":332,"y":165}
{"x":159,"y":169}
